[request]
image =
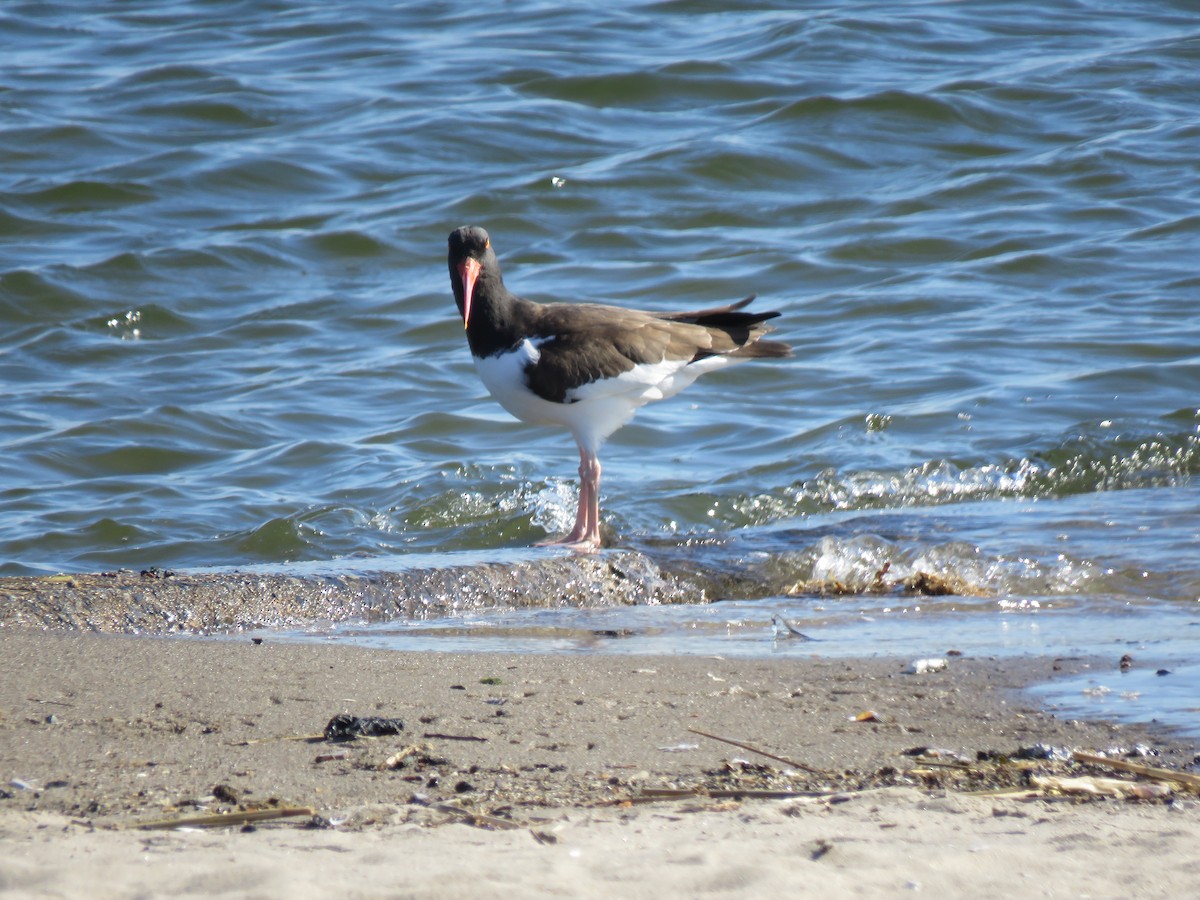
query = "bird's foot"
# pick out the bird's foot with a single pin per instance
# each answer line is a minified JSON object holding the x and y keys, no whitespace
{"x":577,"y":544}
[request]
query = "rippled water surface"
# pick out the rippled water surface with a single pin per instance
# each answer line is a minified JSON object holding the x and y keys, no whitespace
{"x":227,"y":338}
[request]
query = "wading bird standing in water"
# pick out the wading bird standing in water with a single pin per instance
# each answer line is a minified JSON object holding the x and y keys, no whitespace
{"x":586,"y":367}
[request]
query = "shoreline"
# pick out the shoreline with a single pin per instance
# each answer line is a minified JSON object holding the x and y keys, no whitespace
{"x":101,"y":731}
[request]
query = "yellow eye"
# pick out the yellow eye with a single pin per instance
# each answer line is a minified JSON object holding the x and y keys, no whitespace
{"x":487,"y":243}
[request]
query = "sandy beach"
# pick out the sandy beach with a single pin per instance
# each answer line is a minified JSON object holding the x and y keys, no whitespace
{"x":558,"y":776}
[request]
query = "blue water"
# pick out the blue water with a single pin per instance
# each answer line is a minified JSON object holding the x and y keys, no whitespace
{"x":227,"y":337}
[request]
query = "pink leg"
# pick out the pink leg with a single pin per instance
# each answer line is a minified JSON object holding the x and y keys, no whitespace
{"x":585,"y":535}
{"x":589,"y":487}
{"x":581,"y":513}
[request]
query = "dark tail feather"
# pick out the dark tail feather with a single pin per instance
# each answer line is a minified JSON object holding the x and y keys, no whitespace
{"x":757,"y":349}
{"x":720,"y":316}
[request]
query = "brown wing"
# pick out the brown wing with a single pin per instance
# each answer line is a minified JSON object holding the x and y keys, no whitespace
{"x":584,"y":342}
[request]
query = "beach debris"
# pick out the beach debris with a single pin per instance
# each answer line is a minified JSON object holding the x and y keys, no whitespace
{"x":1186,"y":779}
{"x":649,"y":794}
{"x":783,"y":630}
{"x":820,"y":848}
{"x":923,"y":583}
{"x":925,"y":666}
{"x":419,"y":754}
{"x":345,"y":727}
{"x":224,"y":820}
{"x":436,"y":736}
{"x":332,"y":757}
{"x":54,"y":702}
{"x":308,"y":738}
{"x":679,"y":748}
{"x":941,"y":754}
{"x":794,"y":806}
{"x":491,"y":679}
{"x":752,"y":749}
{"x":877,"y":582}
{"x":868,"y":715}
{"x":1015,"y":775}
{"x":930,"y":585}
{"x":1011,"y":775}
{"x":478,"y":819}
{"x":1161,"y":672}
{"x":1096,"y":786}
{"x":1044,"y":751}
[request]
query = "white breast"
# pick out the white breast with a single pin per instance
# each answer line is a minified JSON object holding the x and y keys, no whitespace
{"x":504,"y":377}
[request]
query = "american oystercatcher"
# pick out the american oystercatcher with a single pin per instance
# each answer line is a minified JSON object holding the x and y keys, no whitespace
{"x":586,"y":367}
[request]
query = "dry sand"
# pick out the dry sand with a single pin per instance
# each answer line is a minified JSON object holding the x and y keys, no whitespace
{"x":100,"y":732}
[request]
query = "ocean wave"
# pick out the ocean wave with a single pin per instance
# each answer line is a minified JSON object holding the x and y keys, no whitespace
{"x":1101,"y":458}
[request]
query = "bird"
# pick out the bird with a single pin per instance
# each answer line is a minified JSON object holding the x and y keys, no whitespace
{"x":588,"y":367}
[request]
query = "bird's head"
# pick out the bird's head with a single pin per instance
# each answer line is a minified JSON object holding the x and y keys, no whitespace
{"x":470,"y":257}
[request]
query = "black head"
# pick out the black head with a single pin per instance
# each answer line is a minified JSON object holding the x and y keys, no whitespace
{"x":468,"y":241}
{"x":471,"y":260}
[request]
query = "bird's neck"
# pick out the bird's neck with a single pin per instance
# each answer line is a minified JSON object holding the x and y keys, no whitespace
{"x":497,"y":316}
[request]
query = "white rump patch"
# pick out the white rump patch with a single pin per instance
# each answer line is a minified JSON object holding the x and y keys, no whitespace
{"x":647,"y":382}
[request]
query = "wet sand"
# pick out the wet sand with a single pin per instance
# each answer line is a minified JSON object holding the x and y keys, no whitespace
{"x":102,"y":732}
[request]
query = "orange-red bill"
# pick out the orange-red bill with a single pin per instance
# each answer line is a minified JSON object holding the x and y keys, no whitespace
{"x":468,"y":271}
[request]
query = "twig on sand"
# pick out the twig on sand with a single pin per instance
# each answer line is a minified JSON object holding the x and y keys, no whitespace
{"x":479,"y":820}
{"x":433,"y":735}
{"x":753,"y":749}
{"x":1184,"y":778}
{"x":651,"y":793}
{"x":219,"y":820}
{"x":309,"y":738}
